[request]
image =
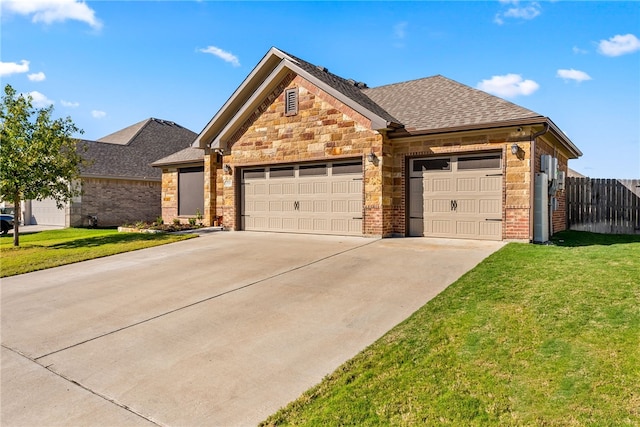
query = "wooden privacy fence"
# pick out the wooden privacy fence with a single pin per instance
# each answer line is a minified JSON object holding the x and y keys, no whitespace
{"x":610,"y":206}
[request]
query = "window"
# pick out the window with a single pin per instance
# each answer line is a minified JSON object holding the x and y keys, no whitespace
{"x":431,"y":165}
{"x":254,"y":174}
{"x":477,"y":162}
{"x":312,"y":170}
{"x":346,"y":168}
{"x":282,"y":172}
{"x":291,"y":102}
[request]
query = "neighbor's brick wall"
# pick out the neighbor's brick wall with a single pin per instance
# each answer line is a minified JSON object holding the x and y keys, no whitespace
{"x":117,"y":202}
{"x":516,"y":174}
{"x":323,"y":129}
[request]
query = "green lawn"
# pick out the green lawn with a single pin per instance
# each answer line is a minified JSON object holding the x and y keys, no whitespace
{"x":47,"y":249}
{"x":534,"y":335}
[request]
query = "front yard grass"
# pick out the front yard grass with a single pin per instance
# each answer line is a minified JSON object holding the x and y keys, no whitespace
{"x":534,"y":335}
{"x":53,"y":248}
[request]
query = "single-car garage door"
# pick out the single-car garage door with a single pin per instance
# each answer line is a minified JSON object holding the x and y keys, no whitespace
{"x":321,"y":198}
{"x":460,"y":197}
{"x":46,"y":212}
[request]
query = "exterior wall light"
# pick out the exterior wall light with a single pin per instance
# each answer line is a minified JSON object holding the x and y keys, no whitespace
{"x":515,"y":149}
{"x":227,"y":169}
{"x":371,"y":157}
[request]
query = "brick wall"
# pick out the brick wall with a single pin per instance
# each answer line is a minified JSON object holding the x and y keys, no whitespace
{"x":117,"y":202}
{"x":323,"y":129}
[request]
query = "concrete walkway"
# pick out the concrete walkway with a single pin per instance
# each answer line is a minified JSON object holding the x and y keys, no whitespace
{"x":219,"y":330}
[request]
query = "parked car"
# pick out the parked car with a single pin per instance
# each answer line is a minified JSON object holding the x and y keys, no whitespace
{"x":6,"y":223}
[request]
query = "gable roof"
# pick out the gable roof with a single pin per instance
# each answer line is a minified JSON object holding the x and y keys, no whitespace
{"x":439,"y":103}
{"x":430,"y":105}
{"x":273,"y":67}
{"x":124,"y":136}
{"x":127,"y":154}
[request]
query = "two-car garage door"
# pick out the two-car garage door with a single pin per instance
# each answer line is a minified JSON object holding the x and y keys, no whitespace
{"x":322,"y":198}
{"x":456,"y":196}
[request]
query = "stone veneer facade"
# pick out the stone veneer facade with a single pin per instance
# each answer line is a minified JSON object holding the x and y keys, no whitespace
{"x":326,"y":129}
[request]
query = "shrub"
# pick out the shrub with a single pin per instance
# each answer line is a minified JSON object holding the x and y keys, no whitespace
{"x":192,"y":221}
{"x":176,"y":221}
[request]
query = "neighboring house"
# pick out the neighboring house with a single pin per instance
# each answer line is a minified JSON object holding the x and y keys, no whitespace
{"x":574,"y":174}
{"x":299,"y":149}
{"x":119,"y":185}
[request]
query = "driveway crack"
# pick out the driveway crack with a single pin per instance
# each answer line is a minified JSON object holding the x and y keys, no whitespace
{"x":78,"y":384}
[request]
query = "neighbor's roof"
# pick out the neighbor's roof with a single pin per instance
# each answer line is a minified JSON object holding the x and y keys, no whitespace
{"x":127,"y":154}
{"x":439,"y":103}
{"x":188,"y":155}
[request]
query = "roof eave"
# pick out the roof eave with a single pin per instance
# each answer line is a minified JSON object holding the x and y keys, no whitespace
{"x":239,"y":97}
{"x":177,"y":163}
{"x":538,"y":120}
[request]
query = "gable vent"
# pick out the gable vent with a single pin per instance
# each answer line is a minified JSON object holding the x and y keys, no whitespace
{"x":291,"y":102}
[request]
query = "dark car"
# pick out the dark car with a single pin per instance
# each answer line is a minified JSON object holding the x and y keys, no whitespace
{"x":6,"y":223}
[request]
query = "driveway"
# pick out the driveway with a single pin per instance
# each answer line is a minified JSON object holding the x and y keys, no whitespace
{"x":219,"y":330}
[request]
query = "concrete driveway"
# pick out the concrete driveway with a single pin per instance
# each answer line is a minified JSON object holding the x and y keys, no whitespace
{"x":219,"y":330}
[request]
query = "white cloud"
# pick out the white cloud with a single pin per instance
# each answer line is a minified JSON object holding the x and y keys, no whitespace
{"x":518,"y":11}
{"x":36,"y":77}
{"x":619,"y":45}
{"x":224,"y":55}
{"x":97,"y":114}
{"x":400,"y":30}
{"x":39,"y":100}
{"x":69,"y":104}
{"x":8,"y":68}
{"x":509,"y":85}
{"x":50,"y":11}
{"x":577,"y":51}
{"x":578,"y":76}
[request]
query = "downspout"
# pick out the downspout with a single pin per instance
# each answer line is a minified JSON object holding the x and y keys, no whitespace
{"x":533,"y":177}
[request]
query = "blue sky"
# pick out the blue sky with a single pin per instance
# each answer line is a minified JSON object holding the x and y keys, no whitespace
{"x":109,"y":64}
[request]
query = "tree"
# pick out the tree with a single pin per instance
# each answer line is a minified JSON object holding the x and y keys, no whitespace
{"x":39,"y":157}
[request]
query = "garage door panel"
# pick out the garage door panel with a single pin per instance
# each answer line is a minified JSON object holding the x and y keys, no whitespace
{"x":466,"y":228}
{"x":490,"y":207}
{"x":466,"y":184}
{"x":466,"y":206}
{"x":435,"y":185}
{"x":440,"y":226}
{"x":258,"y":189}
{"x":491,"y":183}
{"x":490,"y":229}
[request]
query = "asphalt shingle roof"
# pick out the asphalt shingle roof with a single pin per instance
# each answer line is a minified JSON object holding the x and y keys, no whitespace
{"x":425,"y":104}
{"x":347,"y":87}
{"x":132,"y":158}
{"x":188,"y":155}
{"x":438,"y":102}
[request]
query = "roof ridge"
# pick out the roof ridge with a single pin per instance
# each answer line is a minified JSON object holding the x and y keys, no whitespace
{"x":409,"y":81}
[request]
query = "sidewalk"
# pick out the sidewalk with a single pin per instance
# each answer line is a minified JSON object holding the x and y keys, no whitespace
{"x":24,"y":229}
